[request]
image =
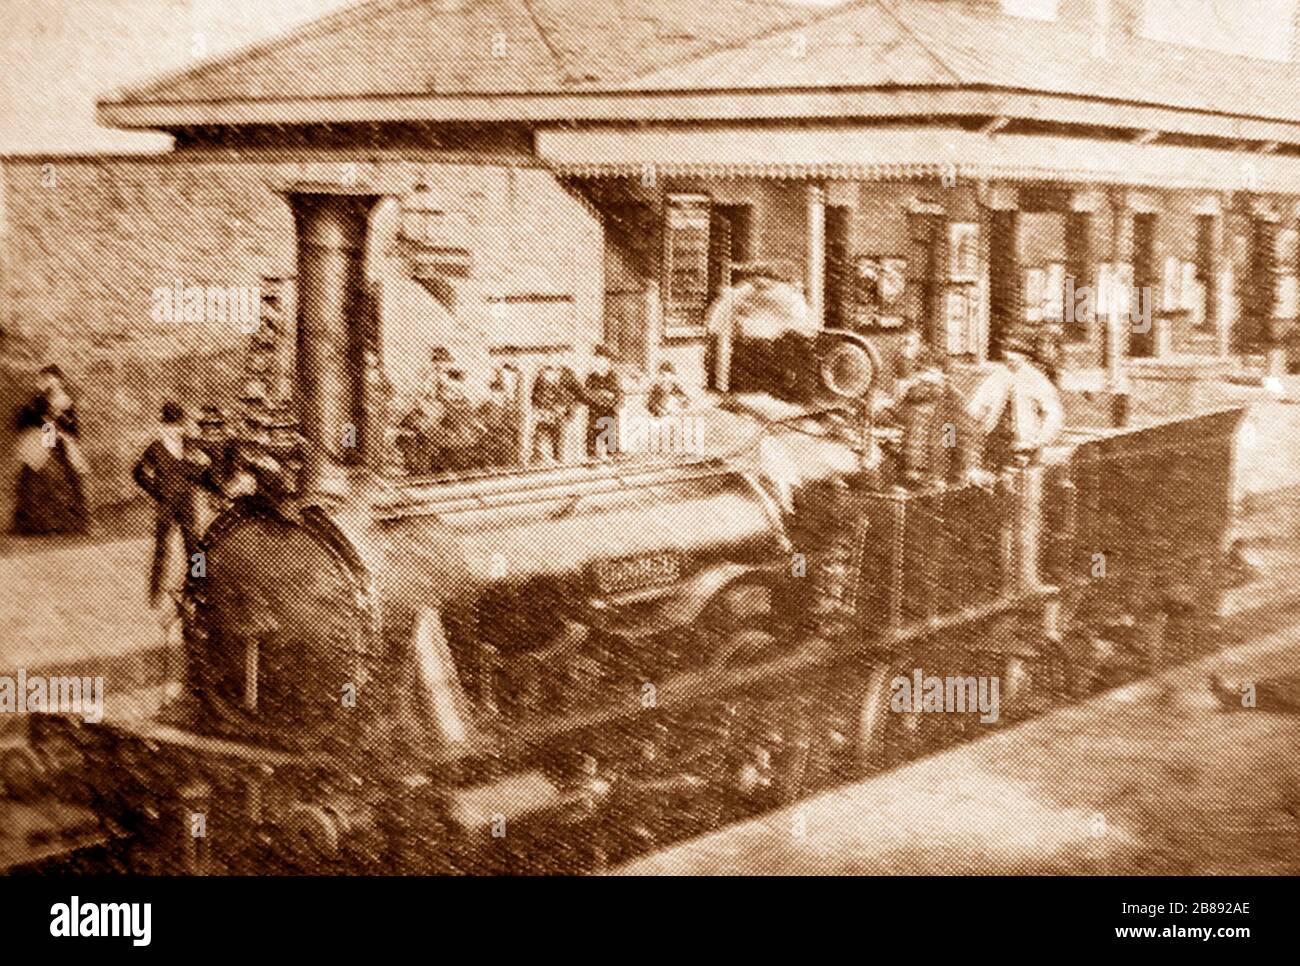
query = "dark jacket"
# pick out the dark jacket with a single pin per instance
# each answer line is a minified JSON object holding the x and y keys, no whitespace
{"x":604,"y":394}
{"x":170,"y":481}
{"x":553,"y":400}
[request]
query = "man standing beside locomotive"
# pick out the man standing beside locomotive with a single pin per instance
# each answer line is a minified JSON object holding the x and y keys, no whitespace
{"x":170,"y":475}
{"x":1016,"y":407}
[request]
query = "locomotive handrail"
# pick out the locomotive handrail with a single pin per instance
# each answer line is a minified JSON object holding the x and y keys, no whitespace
{"x":520,"y":490}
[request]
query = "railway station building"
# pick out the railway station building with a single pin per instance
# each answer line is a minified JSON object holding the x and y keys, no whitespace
{"x":553,"y":175}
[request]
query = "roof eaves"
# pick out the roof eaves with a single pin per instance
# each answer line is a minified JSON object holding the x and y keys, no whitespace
{"x":359,"y":11}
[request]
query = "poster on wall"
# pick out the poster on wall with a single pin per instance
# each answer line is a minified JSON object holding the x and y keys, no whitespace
{"x":1287,"y":249}
{"x":1035,"y":286}
{"x":963,"y":251}
{"x":1285,"y":301}
{"x":959,"y":320}
{"x":1171,"y":297}
{"x":880,"y":282}
{"x":685,"y":265}
{"x":1054,"y":292}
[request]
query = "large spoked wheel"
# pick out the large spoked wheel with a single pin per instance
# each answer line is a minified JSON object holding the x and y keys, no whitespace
{"x":885,"y":737}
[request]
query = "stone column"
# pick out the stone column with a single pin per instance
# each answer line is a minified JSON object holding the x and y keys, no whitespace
{"x":815,"y":264}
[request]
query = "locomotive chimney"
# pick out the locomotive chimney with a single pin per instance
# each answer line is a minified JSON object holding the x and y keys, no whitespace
{"x":331,"y":230}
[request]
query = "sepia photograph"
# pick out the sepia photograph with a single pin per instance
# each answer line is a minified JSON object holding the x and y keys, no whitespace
{"x":639,"y":438}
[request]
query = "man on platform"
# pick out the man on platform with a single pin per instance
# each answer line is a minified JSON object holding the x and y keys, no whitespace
{"x":170,"y":476}
{"x":1016,"y":407}
{"x":555,"y":392}
{"x":603,"y":392}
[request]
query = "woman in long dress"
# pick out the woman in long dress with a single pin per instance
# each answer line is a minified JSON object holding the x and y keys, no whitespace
{"x":49,"y":496}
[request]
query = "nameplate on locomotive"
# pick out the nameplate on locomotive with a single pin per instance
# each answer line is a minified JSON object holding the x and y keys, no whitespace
{"x":635,"y":573}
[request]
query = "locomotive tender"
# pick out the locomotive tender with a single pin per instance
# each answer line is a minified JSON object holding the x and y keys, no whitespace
{"x":552,"y":669}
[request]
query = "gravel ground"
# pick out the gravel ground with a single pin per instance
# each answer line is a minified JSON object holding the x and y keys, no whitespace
{"x":1149,"y":779}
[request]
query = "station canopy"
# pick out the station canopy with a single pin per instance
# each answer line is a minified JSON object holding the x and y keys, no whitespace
{"x":901,"y":153}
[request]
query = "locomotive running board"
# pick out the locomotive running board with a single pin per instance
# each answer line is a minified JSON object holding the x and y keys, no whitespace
{"x":685,"y":689}
{"x":681,"y":690}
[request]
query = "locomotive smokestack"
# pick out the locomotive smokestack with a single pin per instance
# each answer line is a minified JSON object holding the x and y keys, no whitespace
{"x":330,"y":372}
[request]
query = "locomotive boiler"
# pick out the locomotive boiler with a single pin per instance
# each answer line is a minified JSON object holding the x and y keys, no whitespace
{"x":552,"y":669}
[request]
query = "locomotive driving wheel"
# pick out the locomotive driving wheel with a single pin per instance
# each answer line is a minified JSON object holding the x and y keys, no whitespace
{"x":774,"y":753}
{"x":885,"y":737}
{"x":722,"y":757}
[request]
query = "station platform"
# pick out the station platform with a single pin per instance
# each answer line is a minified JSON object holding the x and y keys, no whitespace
{"x":1154,"y":778}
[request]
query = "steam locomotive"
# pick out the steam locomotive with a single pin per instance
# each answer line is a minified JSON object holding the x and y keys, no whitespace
{"x":554,"y":669}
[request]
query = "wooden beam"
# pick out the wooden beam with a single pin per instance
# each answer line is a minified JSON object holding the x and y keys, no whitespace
{"x":686,"y":106}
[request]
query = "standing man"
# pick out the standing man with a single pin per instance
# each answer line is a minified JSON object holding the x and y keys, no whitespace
{"x":168,"y":474}
{"x":552,"y":401}
{"x":1016,"y":407}
{"x":499,"y":416}
{"x":603,"y":393}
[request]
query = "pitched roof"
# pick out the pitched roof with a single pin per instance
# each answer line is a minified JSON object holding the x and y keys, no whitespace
{"x":396,"y":60}
{"x":387,"y":48}
{"x":888,"y":43}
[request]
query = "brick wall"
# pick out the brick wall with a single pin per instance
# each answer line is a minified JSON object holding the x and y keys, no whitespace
{"x":84,"y":243}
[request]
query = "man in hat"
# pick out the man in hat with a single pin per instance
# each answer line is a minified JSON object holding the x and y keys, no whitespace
{"x":457,"y":432}
{"x":553,"y":398}
{"x":603,"y":393}
{"x":169,"y":474}
{"x":1016,"y":407}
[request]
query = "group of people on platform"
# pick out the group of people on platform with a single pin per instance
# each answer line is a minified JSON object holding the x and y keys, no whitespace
{"x":1014,"y":411}
{"x":444,"y":430}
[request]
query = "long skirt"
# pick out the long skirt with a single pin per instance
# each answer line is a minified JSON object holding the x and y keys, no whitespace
{"x":50,"y":500}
